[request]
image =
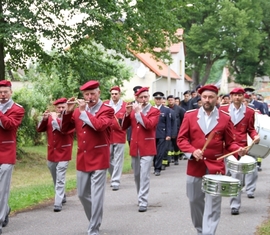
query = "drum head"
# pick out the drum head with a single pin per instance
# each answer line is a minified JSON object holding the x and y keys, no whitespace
{"x":231,"y":158}
{"x":257,"y":150}
{"x":247,"y":159}
{"x":220,"y":178}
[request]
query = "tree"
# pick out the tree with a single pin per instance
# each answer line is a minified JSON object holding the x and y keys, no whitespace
{"x":137,"y":25}
{"x":221,"y":29}
{"x":88,"y":61}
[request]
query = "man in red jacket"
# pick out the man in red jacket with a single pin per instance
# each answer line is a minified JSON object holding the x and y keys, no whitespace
{"x":143,"y":119}
{"x":11,"y":115}
{"x":92,"y":121}
{"x":243,"y":118}
{"x":59,"y":149}
{"x":196,"y":128}
{"x":118,"y":137}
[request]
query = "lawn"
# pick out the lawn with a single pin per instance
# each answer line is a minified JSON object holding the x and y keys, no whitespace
{"x":32,"y":184}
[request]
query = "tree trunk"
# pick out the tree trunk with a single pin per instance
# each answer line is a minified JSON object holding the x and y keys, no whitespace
{"x":2,"y":55}
{"x":2,"y":62}
{"x":195,"y":78}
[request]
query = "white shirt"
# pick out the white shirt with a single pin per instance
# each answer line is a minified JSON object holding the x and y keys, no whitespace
{"x":236,"y":111}
{"x":208,"y":118}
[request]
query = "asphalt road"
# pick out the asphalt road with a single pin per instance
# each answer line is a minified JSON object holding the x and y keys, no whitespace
{"x":168,"y":211}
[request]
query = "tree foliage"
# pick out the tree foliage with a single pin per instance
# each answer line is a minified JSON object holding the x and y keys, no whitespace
{"x":118,"y":25}
{"x":223,"y":29}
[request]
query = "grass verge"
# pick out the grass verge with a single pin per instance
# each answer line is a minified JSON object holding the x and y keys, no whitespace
{"x":32,"y":185}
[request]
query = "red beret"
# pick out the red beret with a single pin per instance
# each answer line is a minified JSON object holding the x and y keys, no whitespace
{"x":238,"y":91}
{"x":60,"y":101}
{"x":116,"y":88}
{"x":5,"y":83}
{"x":246,"y":96}
{"x":208,"y":88}
{"x":90,"y":85}
{"x":143,"y":89}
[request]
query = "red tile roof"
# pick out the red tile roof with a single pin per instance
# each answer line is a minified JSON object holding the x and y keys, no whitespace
{"x":158,"y":67}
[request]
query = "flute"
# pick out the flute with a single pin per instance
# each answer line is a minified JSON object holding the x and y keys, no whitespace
{"x":76,"y":101}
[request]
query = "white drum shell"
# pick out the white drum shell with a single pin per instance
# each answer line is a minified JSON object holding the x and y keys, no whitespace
{"x":245,"y":165}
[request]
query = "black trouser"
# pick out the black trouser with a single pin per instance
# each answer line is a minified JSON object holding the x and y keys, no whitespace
{"x":161,"y":145}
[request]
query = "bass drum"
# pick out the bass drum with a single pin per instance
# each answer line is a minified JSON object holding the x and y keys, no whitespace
{"x":262,"y":126}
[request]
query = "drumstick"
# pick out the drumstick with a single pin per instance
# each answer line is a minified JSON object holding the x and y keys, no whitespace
{"x":210,"y":137}
{"x":231,"y":153}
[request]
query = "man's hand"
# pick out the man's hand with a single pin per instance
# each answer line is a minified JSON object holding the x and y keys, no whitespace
{"x":256,"y":139}
{"x":54,"y":115}
{"x":128,"y":108}
{"x":242,"y":151}
{"x":137,"y":108}
{"x":71,"y":103}
{"x":46,"y":115}
{"x":197,"y":154}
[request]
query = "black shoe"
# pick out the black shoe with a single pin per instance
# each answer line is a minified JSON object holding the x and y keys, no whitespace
{"x":176,"y":163}
{"x":57,"y":208}
{"x":64,"y":199}
{"x":142,"y":209}
{"x":115,"y":187}
{"x":250,"y":196}
{"x":0,"y":231}
{"x":5,"y":223}
{"x":157,"y":173}
{"x":163,"y":167}
{"x":234,"y":211}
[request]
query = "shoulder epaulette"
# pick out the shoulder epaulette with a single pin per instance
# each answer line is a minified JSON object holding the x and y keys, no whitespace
{"x":251,"y":108}
{"x":224,"y":112}
{"x":107,"y":105}
{"x":19,"y":105}
{"x":191,"y":110}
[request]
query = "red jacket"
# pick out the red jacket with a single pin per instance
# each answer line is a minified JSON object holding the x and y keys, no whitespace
{"x":9,"y":123}
{"x":94,"y":139}
{"x":244,"y":125}
{"x":59,"y":144}
{"x":118,"y":135}
{"x":143,"y":138}
{"x":191,"y":137}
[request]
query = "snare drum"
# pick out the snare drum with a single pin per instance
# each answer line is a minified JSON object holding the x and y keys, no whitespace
{"x":245,"y":165}
{"x":221,"y":185}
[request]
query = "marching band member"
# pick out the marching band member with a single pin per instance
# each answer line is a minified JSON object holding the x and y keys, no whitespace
{"x":197,"y":125}
{"x":11,"y":115}
{"x":243,"y":119}
{"x":59,"y":149}
{"x":118,"y":137}
{"x":92,"y":120}
{"x":143,"y":119}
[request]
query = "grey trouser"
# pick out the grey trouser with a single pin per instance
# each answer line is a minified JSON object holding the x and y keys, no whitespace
{"x":235,"y":202}
{"x":141,"y":167}
{"x":205,"y":209}
{"x":58,"y":171}
{"x":116,"y":163}
{"x":250,"y":181}
{"x":5,"y":179}
{"x":91,"y":191}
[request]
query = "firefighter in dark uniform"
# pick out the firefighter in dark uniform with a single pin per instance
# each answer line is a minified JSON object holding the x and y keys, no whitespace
{"x":179,"y":116}
{"x":163,"y":131}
